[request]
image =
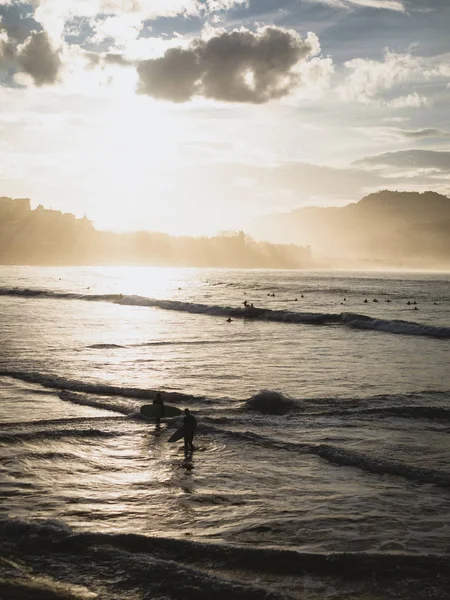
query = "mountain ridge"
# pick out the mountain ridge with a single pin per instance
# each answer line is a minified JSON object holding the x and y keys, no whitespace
{"x":410,"y":229}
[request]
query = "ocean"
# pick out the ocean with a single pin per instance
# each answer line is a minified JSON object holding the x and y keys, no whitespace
{"x":321,"y":469}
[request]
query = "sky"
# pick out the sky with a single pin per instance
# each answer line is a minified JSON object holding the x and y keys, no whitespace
{"x":198,"y":116}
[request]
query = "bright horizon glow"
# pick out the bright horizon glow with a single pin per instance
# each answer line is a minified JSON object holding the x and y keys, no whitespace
{"x":137,"y":141}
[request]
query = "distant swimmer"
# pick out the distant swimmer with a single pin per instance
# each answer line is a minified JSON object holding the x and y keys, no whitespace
{"x":415,"y":308}
{"x":345,"y":299}
{"x":408,"y":303}
{"x":374,"y":300}
{"x":302,"y":296}
{"x":365,"y":301}
{"x":295,"y":299}
{"x":414,"y":302}
{"x":435,"y":303}
{"x":229,"y":320}
{"x":190,"y":425}
{"x":158,"y":400}
{"x":387,"y":300}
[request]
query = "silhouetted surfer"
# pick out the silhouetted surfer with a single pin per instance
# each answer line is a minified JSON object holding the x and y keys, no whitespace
{"x":190,"y":425}
{"x":158,"y":400}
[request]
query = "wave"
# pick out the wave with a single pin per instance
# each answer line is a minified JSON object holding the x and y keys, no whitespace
{"x":394,"y":326}
{"x":344,"y":457}
{"x":105,"y":346}
{"x":437,"y":413}
{"x":379,"y":466}
{"x":270,"y":403}
{"x":400,"y":405}
{"x":54,"y":434}
{"x":56,"y":537}
{"x":352,"y":320}
{"x":94,"y":403}
{"x":21,"y":425}
{"x":111,"y":346}
{"x":61,"y":383}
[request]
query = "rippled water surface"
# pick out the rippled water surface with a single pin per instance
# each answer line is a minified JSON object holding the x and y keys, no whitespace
{"x":324,"y":425}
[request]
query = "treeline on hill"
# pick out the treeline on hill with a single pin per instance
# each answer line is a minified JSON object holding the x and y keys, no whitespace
{"x":387,"y":228}
{"x":50,"y":237}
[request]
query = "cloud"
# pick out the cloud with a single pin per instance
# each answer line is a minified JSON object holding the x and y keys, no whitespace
{"x":35,"y":57}
{"x":409,"y":159}
{"x":96,"y":59}
{"x":395,"y":5}
{"x":423,"y":133}
{"x":237,"y":66}
{"x":122,"y":29}
{"x":381,"y":4}
{"x":410,"y":101}
{"x":370,"y":77}
{"x":53,"y":14}
{"x":395,"y":133}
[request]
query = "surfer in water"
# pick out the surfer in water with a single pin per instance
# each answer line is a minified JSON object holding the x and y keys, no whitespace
{"x":190,"y":425}
{"x":158,"y":400}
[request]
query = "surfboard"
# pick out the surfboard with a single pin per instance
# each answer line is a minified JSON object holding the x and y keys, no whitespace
{"x":179,"y":433}
{"x":156,"y":411}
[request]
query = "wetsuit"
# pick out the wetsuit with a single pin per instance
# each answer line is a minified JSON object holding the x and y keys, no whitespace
{"x":190,"y":424}
{"x":159,"y":402}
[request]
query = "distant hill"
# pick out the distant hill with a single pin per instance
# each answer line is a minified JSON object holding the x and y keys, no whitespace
{"x":398,"y":229}
{"x":50,"y":237}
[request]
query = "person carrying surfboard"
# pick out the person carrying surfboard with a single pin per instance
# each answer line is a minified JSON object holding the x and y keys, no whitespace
{"x":159,"y":401}
{"x":190,"y":425}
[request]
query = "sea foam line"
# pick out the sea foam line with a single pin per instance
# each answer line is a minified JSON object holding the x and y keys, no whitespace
{"x":353,"y":320}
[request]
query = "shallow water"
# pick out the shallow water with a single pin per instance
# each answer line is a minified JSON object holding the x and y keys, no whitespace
{"x":349,"y":455}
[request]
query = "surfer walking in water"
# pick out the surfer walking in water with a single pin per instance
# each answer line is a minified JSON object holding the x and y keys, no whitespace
{"x":190,"y":425}
{"x":159,"y":402}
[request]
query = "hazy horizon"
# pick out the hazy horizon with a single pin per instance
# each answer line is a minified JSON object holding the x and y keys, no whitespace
{"x":192,"y":117}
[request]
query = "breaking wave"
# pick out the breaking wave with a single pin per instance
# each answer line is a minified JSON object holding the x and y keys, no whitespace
{"x":61,"y":383}
{"x":271,"y":403}
{"x":352,"y":320}
{"x":395,"y":326}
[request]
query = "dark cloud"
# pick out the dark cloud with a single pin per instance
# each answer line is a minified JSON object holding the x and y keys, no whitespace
{"x":38,"y":58}
{"x":414,"y":159}
{"x":173,"y":77}
{"x":238,"y":66}
{"x":35,"y":56}
{"x":116,"y":59}
{"x":96,"y":59}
